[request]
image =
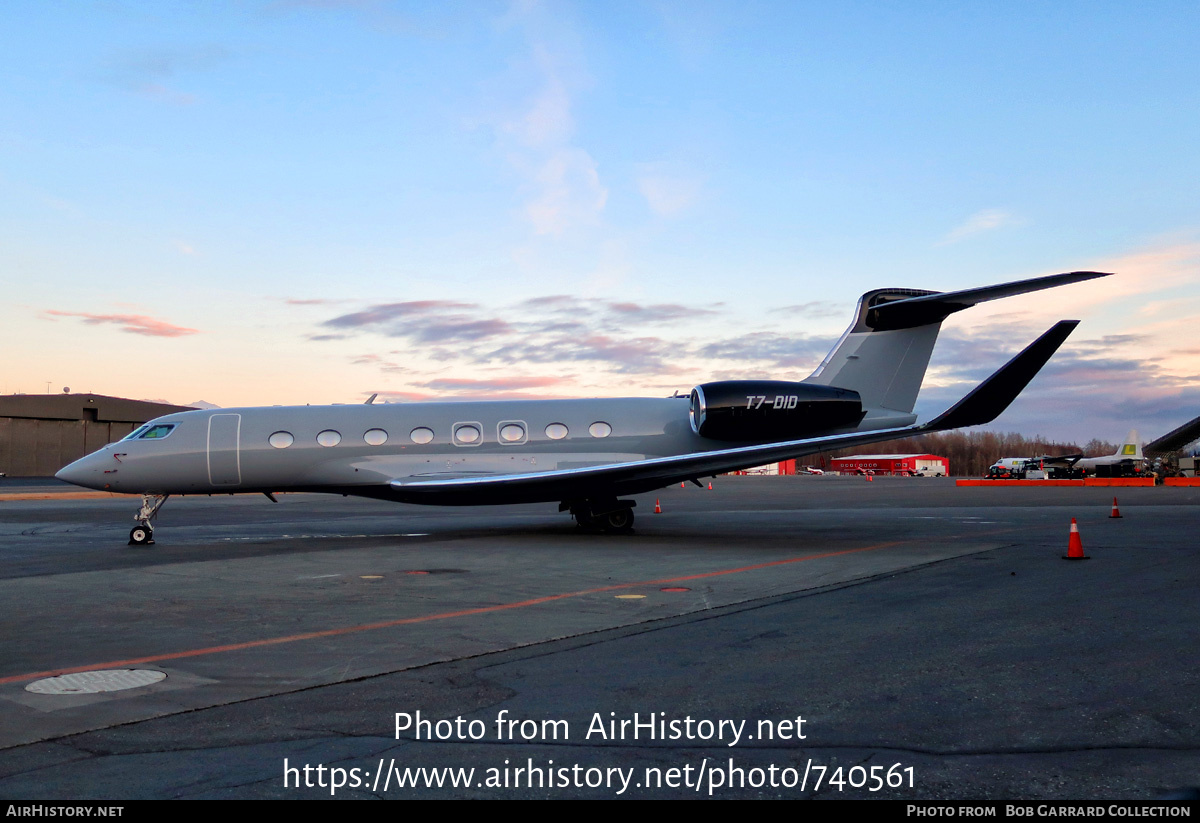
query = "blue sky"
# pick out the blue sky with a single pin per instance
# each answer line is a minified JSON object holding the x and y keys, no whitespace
{"x":289,"y":202}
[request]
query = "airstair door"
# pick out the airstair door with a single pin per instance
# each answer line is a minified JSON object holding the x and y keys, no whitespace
{"x":224,"y":461}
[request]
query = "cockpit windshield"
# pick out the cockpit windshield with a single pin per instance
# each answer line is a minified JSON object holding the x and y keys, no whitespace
{"x":148,"y":432}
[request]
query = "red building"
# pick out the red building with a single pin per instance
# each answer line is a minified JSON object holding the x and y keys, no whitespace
{"x":929,"y":465}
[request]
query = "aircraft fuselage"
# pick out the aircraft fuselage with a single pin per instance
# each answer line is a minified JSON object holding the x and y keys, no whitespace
{"x":359,"y":449}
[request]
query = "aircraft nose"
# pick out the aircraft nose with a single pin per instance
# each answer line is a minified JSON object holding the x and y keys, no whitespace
{"x":83,"y":472}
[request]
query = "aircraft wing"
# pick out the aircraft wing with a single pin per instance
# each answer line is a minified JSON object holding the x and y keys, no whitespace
{"x":1174,"y":440}
{"x":982,"y":405}
{"x":1059,"y":459}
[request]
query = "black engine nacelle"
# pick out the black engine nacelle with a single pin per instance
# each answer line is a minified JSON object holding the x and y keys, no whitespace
{"x":771,"y":409}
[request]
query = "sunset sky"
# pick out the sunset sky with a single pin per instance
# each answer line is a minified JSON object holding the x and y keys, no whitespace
{"x":254,"y":203}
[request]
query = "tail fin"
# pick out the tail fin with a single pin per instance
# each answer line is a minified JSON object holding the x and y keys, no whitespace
{"x":1132,"y":446}
{"x":885,"y":352}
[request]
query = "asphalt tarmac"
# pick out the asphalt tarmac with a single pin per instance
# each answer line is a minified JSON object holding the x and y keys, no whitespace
{"x":774,"y":637}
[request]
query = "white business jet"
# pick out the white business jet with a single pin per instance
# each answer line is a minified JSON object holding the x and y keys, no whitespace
{"x":583,"y":454}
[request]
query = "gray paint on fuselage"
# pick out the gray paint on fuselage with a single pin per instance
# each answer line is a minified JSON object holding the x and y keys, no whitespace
{"x":183,"y":464}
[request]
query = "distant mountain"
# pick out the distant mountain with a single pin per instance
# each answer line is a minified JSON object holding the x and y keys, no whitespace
{"x":202,"y":404}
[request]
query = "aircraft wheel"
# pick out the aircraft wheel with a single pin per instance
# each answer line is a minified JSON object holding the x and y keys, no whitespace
{"x":587,"y":522}
{"x":141,"y":536}
{"x":620,"y":520}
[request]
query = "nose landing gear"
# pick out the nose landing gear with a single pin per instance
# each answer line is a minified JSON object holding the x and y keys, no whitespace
{"x":143,"y":533}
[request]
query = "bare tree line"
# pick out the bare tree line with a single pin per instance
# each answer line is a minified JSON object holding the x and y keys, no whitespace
{"x":970,"y":453}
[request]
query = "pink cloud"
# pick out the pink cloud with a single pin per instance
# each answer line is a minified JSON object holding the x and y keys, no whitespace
{"x":404,"y":396}
{"x":453,"y":384}
{"x":132,"y":323}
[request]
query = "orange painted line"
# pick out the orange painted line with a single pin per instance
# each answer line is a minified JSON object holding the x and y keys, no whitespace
{"x":293,"y":638}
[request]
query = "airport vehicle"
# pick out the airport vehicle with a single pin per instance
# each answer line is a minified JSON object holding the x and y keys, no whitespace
{"x":1007,"y":467}
{"x":1023,"y":468}
{"x":583,"y":454}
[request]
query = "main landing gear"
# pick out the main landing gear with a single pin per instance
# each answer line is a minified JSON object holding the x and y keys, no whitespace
{"x":143,"y":533}
{"x":602,"y":515}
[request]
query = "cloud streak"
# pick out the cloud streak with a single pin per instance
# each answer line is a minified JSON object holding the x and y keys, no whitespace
{"x":490,"y":385}
{"x":559,"y":181}
{"x":131,"y":323}
{"x":1093,"y":387}
{"x":669,"y":194}
{"x":149,"y":72}
{"x":978,"y":223}
{"x":619,"y":340}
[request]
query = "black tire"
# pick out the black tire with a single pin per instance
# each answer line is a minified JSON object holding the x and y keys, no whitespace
{"x":618,"y":520}
{"x":141,"y":536}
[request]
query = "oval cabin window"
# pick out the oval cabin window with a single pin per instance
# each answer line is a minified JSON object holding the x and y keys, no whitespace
{"x":375,"y":437}
{"x":556,"y":431}
{"x":281,"y":440}
{"x":329,"y":438}
{"x":421,"y":435}
{"x":512,"y":433}
{"x":599,"y":429}
{"x":466,"y":434}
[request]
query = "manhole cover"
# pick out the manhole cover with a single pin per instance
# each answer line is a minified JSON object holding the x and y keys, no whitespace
{"x":109,"y":680}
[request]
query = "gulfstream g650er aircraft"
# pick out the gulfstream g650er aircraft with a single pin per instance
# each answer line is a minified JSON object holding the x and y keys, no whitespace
{"x":582,"y":454}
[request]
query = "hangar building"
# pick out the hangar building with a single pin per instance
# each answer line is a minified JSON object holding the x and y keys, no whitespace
{"x":904,"y":464}
{"x":41,"y":433}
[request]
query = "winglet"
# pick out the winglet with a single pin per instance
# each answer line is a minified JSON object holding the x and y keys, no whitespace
{"x":985,"y":403}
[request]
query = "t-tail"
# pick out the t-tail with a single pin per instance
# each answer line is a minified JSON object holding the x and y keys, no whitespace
{"x":885,"y":352}
{"x":1132,"y":447}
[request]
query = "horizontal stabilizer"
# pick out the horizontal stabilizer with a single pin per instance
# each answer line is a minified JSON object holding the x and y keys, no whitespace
{"x":987,"y":400}
{"x":933,"y":308}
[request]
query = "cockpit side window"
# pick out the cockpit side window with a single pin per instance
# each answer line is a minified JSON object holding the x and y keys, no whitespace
{"x":136,"y":433}
{"x":157,"y":432}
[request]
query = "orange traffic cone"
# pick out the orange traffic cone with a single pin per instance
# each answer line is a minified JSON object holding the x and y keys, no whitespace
{"x":710,"y":485}
{"x":682,"y":486}
{"x":1115,"y":512}
{"x":870,"y":478}
{"x":1075,"y":545}
{"x":657,"y":507}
